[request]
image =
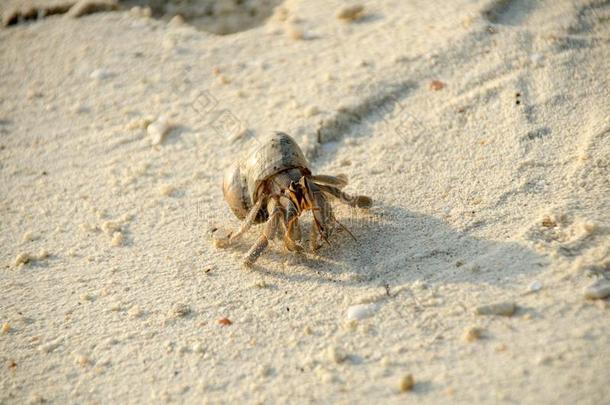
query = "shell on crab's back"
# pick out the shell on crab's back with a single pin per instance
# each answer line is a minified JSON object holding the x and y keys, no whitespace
{"x":279,"y":153}
{"x":235,"y":190}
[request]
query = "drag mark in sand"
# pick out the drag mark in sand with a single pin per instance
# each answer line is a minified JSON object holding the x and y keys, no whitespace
{"x":384,"y":100}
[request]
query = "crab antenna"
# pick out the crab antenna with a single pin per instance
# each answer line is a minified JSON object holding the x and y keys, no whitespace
{"x":319,"y":231}
{"x":345,"y":228}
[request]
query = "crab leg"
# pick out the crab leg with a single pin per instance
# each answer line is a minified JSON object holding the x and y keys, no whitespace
{"x":268,"y":233}
{"x":339,"y":180}
{"x":313,"y":238}
{"x":360,"y":201}
{"x":292,"y":228}
{"x":248,"y":221}
{"x":321,"y":209}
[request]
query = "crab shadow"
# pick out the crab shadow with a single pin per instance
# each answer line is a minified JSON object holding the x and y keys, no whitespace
{"x":395,"y":246}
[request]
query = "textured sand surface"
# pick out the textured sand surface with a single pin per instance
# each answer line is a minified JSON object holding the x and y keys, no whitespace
{"x":480,"y":128}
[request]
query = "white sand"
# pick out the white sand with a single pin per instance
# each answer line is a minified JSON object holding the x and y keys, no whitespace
{"x":478,"y":200}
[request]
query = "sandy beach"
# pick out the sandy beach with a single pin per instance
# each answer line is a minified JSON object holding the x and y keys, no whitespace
{"x":480,"y":129}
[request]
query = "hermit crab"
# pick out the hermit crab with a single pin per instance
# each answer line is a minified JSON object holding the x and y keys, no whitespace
{"x":274,"y":185}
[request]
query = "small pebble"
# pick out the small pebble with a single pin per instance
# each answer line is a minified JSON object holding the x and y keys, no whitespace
{"x":407,"y":383}
{"x":42,"y":254}
{"x":36,"y":399}
{"x":110,"y":227}
{"x":544,"y":360}
{"x":265,"y":370}
{"x":81,"y":360}
{"x":260,"y":284}
{"x":225,"y":321}
{"x":590,"y":228}
{"x":32,"y":93}
{"x":295,"y":32}
{"x":351,"y":325}
{"x":311,"y":111}
{"x":117,"y":239}
{"x":158,"y":129}
{"x":181,"y":310}
{"x":139,"y":123}
{"x":335,"y":354}
{"x":6,"y":328}
{"x":135,"y":312}
{"x":86,"y":297}
{"x":362,"y":311}
{"x":28,"y":236}
{"x":598,"y":290}
{"x":79,"y":108}
{"x":324,"y":375}
{"x":166,"y":190}
{"x":501,"y":347}
{"x":548,"y":222}
{"x":351,"y":13}
{"x":436,"y":85}
{"x":111,"y":342}
{"x":499,"y":308}
{"x":22,"y":259}
{"x":99,"y":74}
{"x":472,"y":334}
{"x":535,"y":286}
